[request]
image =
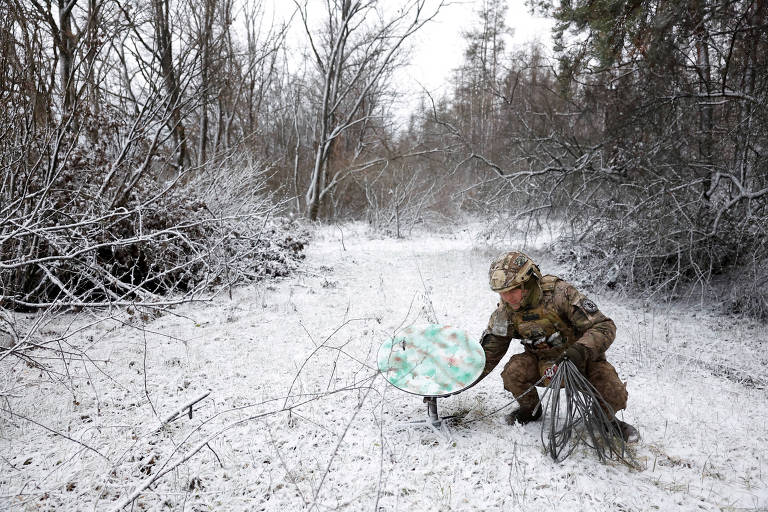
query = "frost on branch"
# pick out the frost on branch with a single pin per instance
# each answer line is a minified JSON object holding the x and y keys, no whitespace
{"x":63,"y":243}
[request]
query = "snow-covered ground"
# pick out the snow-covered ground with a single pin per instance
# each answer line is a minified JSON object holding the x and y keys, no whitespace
{"x":297,"y":417}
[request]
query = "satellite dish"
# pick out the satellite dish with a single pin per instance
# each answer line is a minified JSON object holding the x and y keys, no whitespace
{"x":432,"y":361}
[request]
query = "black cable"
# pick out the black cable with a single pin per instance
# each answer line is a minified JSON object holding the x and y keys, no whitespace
{"x":495,"y":411}
{"x":580,"y":416}
{"x":587,"y":418}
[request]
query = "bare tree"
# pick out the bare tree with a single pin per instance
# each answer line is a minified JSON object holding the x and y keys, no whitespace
{"x":636,"y":140}
{"x":161,"y":10}
{"x":113,"y":218}
{"x":205,"y":24}
{"x":353,"y":54}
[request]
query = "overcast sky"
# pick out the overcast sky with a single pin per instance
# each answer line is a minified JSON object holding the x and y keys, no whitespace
{"x":439,"y":47}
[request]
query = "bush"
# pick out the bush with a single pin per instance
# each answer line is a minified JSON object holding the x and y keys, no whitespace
{"x":59,"y":246}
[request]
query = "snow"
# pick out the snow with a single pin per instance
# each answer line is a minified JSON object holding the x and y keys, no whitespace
{"x":298,"y":418}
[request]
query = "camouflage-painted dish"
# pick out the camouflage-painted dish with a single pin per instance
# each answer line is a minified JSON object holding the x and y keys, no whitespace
{"x":436,"y":360}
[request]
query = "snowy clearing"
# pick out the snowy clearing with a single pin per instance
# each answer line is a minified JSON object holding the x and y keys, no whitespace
{"x":297,"y":417}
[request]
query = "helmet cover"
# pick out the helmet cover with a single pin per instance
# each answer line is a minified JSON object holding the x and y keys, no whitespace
{"x":510,"y":270}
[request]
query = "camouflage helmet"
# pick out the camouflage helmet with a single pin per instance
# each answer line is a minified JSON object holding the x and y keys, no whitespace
{"x":511,"y":270}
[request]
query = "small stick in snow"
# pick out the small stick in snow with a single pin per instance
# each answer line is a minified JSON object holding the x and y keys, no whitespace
{"x":342,"y":238}
{"x":187,"y":407}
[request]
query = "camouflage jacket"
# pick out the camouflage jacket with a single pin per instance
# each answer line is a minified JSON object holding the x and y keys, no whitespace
{"x":561,"y":317}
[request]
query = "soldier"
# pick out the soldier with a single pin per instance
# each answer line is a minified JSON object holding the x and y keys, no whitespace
{"x":554,"y":321}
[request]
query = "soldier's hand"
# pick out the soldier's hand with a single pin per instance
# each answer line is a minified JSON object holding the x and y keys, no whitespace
{"x":579,"y":355}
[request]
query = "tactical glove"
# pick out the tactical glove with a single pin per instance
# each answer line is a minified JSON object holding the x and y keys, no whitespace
{"x":579,"y":355}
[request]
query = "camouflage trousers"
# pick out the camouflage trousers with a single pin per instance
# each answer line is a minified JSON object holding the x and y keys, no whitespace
{"x":522,"y":371}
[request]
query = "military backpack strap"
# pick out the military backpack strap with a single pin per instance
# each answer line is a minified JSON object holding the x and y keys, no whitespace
{"x":548,"y":283}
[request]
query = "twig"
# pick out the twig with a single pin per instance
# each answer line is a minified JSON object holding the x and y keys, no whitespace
{"x":317,"y":349}
{"x":183,"y":408}
{"x":215,"y":455}
{"x":166,"y":469}
{"x":146,"y":390}
{"x":427,"y":295}
{"x":338,"y":445}
{"x":342,"y":237}
{"x":286,"y":468}
{"x":56,"y":432}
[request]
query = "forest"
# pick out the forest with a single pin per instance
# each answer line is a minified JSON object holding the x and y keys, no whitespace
{"x":144,"y":143}
{"x":160,"y":153}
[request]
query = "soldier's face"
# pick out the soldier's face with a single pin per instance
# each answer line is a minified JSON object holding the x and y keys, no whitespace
{"x":513,"y":297}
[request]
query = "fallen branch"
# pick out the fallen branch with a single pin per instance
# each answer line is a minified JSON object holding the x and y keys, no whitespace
{"x":167,"y":469}
{"x":184,"y":408}
{"x":56,"y":432}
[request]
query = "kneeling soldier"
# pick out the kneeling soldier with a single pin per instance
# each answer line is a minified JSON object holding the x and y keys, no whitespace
{"x":553,"y":320}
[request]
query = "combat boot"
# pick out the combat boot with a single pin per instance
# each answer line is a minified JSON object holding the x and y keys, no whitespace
{"x":628,"y":433}
{"x":523,"y":416}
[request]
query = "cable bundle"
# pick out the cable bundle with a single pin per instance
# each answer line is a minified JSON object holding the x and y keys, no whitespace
{"x":582,"y":416}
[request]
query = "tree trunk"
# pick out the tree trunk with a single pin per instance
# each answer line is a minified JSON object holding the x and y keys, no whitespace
{"x":164,"y":51}
{"x":205,"y":43}
{"x":92,"y":45}
{"x":703,"y":70}
{"x":756,"y":20}
{"x":66,"y":55}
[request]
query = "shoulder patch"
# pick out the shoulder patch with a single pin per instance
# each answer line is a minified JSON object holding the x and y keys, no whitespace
{"x":499,"y":323}
{"x":588,"y":306}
